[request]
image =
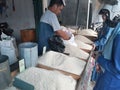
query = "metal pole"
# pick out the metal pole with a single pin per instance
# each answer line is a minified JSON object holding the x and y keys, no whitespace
{"x":89,"y":1}
{"x":77,"y":14}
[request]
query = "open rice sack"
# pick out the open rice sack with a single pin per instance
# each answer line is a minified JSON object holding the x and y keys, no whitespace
{"x":62,"y":62}
{"x":92,"y":35}
{"x":84,"y":46}
{"x":83,"y":39}
{"x":76,"y":52}
{"x":40,"y":79}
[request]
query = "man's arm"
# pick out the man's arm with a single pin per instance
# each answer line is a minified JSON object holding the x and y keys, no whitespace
{"x":63,"y":34}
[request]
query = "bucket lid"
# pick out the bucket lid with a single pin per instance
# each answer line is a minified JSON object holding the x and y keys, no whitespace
{"x":3,"y":58}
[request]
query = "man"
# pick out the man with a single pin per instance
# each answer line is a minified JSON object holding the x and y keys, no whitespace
{"x":49,"y":25}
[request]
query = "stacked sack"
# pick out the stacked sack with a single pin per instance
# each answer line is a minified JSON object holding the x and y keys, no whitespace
{"x":80,"y":44}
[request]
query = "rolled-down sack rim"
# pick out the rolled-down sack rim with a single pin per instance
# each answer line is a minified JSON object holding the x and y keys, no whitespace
{"x":83,"y":39}
{"x":87,"y":32}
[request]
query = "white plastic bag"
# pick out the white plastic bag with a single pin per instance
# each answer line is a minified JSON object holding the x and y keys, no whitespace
{"x":9,"y":48}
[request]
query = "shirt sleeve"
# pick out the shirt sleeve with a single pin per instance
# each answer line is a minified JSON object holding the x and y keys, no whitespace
{"x":113,"y":65}
{"x":51,"y":19}
{"x":55,"y":23}
{"x":102,"y":41}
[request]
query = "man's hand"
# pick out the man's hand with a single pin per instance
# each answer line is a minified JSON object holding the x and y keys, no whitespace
{"x":98,"y":68}
{"x":93,"y":45}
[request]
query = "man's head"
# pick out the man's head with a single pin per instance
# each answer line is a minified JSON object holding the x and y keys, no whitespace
{"x":56,"y":6}
{"x":105,"y":14}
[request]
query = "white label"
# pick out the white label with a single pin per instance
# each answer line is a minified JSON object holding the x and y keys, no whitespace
{"x":44,"y":49}
{"x":21,"y":65}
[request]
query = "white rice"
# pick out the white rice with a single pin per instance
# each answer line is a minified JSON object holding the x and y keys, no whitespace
{"x":62,"y":62}
{"x":76,"y":52}
{"x":43,"y":79}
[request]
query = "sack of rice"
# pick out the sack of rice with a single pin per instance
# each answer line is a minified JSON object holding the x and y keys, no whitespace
{"x":76,"y":77}
{"x":87,"y":32}
{"x":76,"y":52}
{"x":62,"y":62}
{"x":83,"y":39}
{"x":84,"y":46}
{"x":40,"y":79}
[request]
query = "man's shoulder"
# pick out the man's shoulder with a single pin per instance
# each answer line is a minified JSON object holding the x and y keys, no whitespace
{"x":48,"y":17}
{"x":49,"y":13}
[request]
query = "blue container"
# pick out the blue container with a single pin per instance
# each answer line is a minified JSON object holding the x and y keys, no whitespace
{"x":29,"y":52}
{"x":5,"y":77}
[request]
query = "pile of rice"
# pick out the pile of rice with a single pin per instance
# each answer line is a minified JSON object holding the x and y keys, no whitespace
{"x":43,"y":79}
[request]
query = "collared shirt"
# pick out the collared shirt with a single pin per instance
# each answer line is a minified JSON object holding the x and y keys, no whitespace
{"x":50,"y":18}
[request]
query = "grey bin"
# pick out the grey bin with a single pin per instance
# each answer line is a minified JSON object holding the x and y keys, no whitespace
{"x":29,"y":52}
{"x":5,"y":77}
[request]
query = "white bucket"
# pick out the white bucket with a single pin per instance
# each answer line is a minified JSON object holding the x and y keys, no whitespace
{"x":29,"y":52}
